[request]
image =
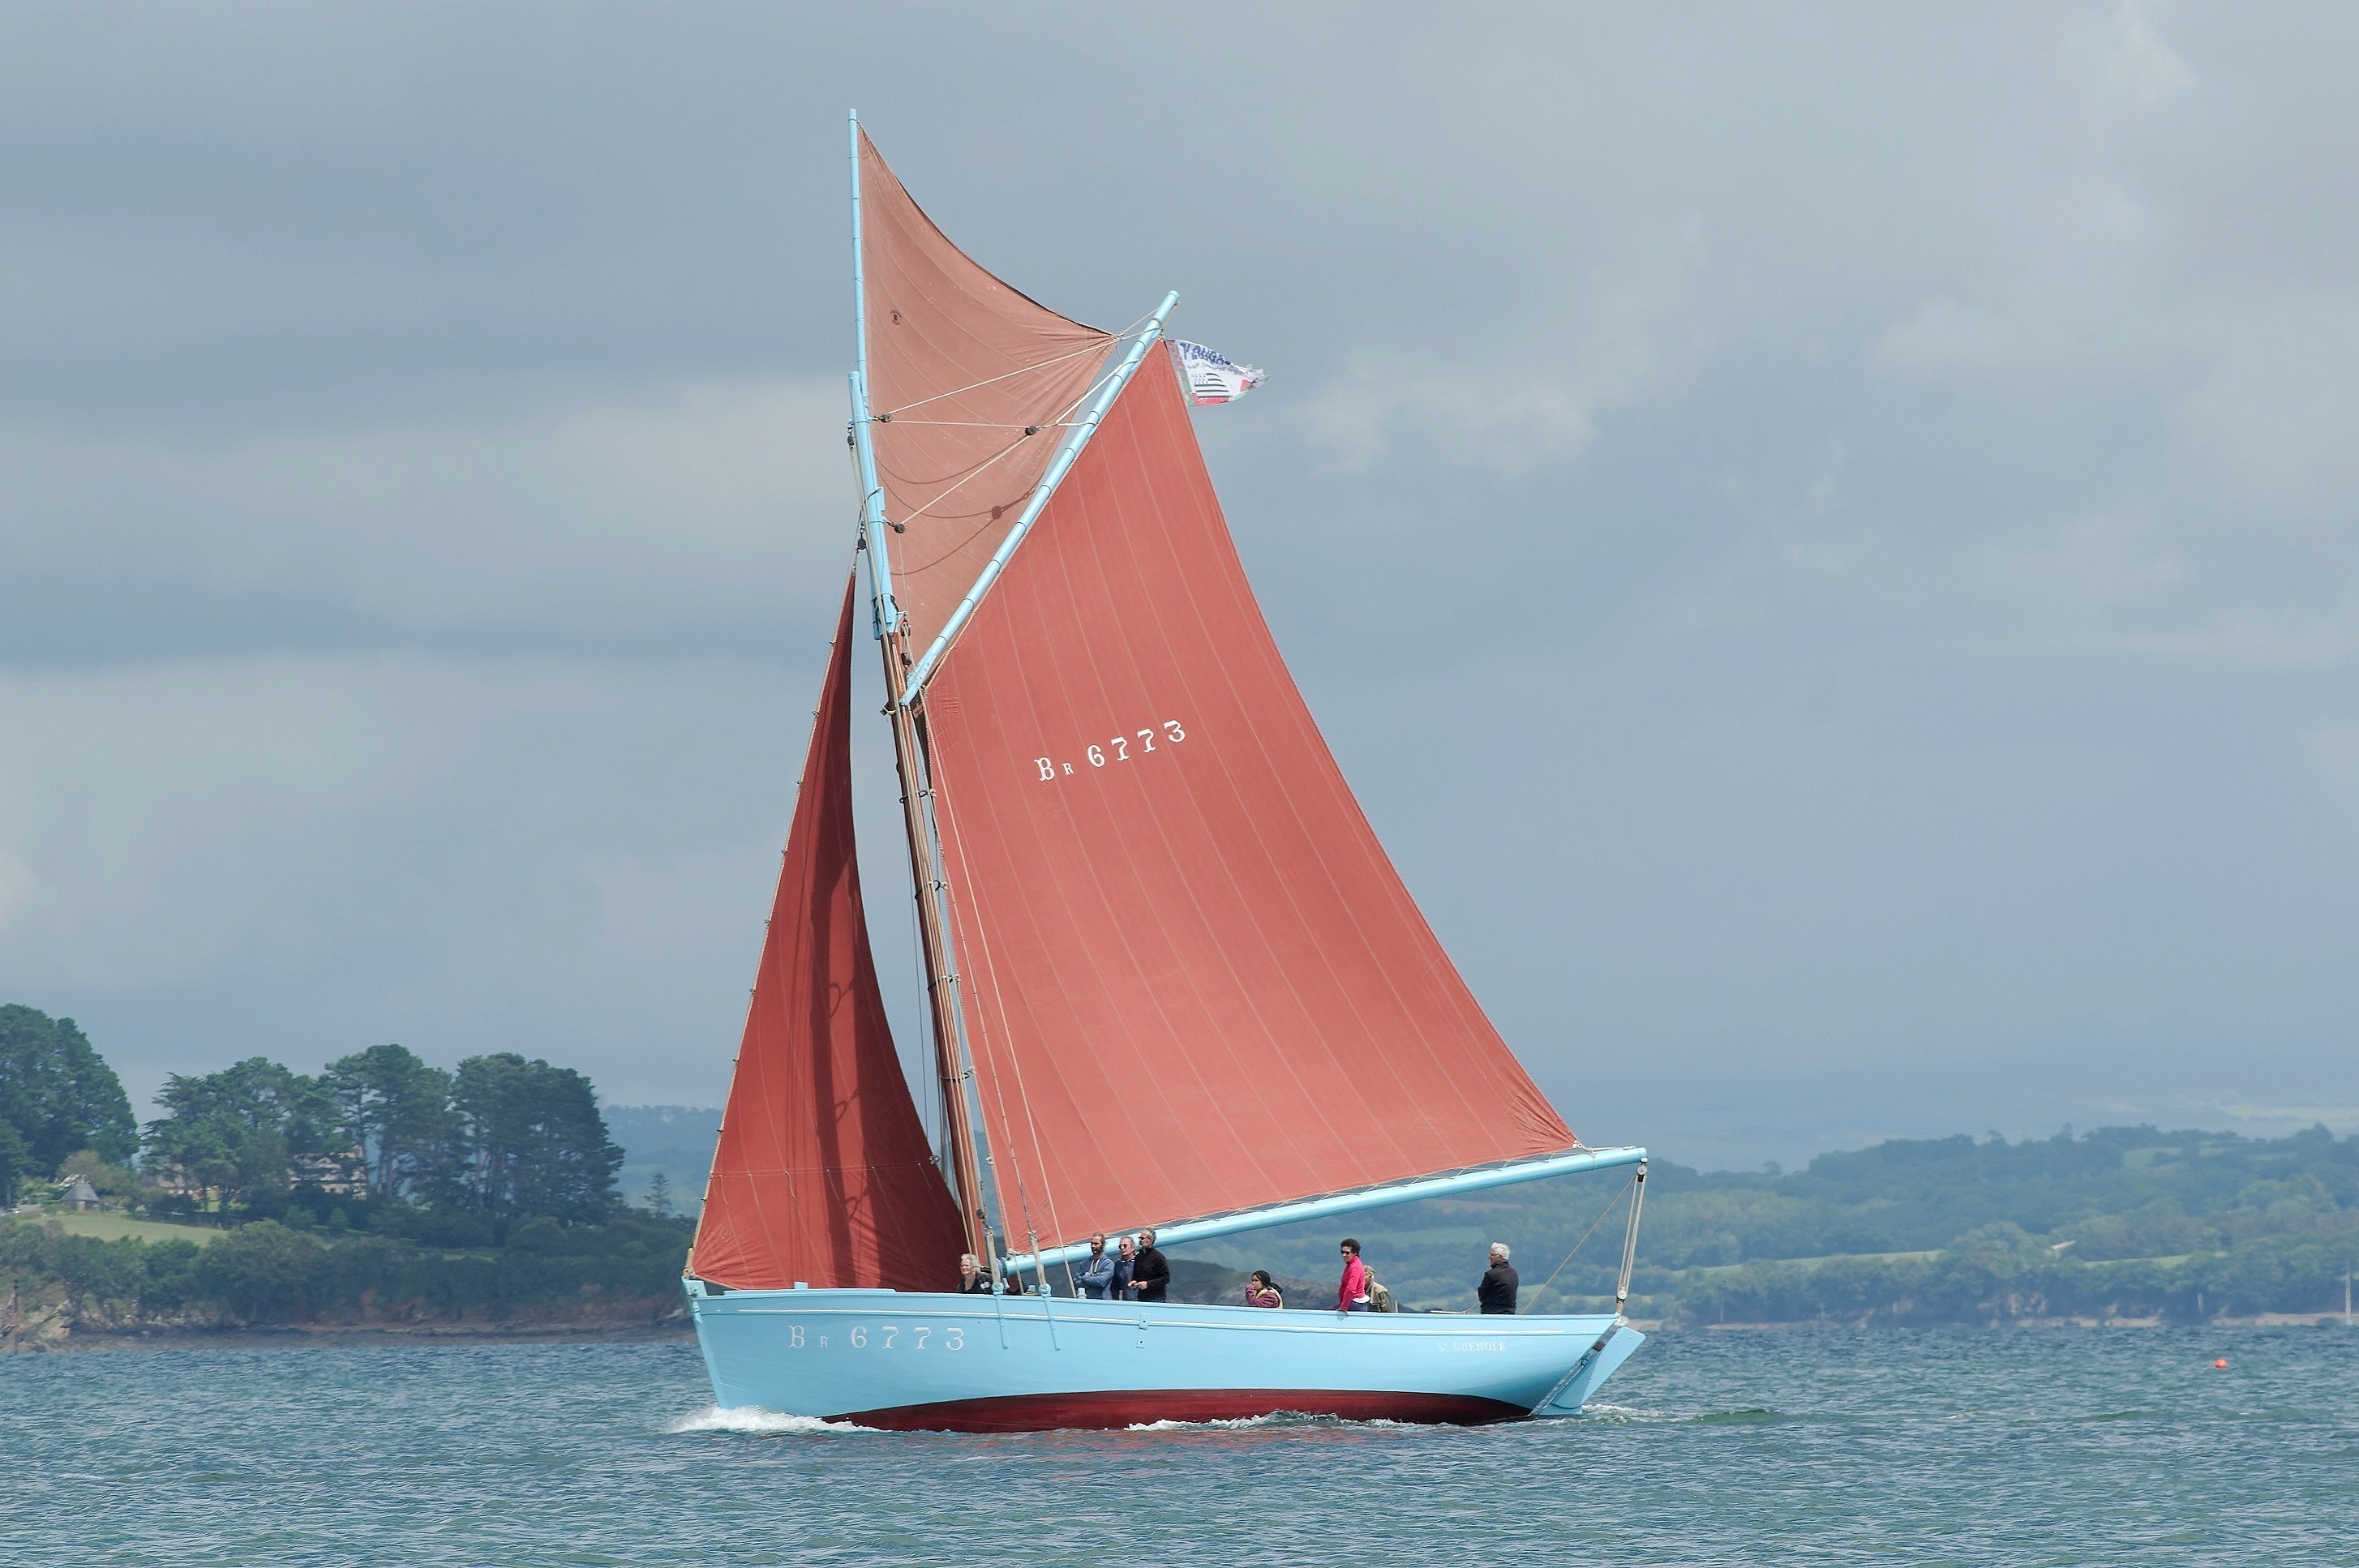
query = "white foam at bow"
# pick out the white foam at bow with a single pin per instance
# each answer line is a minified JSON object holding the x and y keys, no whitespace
{"x":753,"y":1418}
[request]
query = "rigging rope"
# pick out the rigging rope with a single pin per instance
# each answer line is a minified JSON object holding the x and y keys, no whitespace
{"x":1585,"y":1235}
{"x":1100,"y":346}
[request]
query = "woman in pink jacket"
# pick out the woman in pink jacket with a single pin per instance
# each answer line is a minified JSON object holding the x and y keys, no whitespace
{"x":1352,"y":1294}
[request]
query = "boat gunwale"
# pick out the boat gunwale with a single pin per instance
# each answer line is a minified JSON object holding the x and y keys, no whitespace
{"x":1130,"y":1314}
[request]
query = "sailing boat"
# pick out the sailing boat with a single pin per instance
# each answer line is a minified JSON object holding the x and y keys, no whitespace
{"x":1173,"y":979}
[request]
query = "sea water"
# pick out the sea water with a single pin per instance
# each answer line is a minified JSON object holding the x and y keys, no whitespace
{"x":1993,"y":1446}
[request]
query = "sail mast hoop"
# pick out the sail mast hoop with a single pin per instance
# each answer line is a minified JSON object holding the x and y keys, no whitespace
{"x":1172,"y":1234}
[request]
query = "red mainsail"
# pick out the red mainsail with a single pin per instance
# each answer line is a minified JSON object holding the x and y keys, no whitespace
{"x":1192,"y":979}
{"x":823,"y":1174}
{"x":959,"y":366}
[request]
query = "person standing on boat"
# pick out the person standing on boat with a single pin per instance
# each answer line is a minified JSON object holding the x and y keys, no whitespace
{"x":1351,"y":1292}
{"x":1497,"y":1291}
{"x":973,"y":1280}
{"x":1119,"y":1286}
{"x":1261,"y":1291}
{"x":1097,"y":1274}
{"x":1150,"y":1274}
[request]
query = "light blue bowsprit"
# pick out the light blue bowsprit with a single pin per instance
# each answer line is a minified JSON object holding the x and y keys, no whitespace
{"x":1352,"y":1203}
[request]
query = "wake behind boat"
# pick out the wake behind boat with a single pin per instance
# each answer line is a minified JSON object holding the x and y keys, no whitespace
{"x":1174,"y":980}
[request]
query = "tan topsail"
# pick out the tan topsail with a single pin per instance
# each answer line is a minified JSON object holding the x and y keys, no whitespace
{"x":960,"y":367}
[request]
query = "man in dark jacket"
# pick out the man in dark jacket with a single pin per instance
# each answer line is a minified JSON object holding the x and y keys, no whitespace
{"x":1150,"y":1274}
{"x":1497,"y":1291}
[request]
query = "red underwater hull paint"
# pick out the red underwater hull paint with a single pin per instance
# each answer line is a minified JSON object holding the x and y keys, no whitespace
{"x":1046,"y":1412}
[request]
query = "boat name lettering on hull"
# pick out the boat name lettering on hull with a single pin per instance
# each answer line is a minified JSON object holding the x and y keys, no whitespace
{"x":1116,"y":749}
{"x":884,"y":1336}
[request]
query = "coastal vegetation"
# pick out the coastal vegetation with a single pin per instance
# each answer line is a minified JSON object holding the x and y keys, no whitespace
{"x":2120,"y":1224}
{"x":386,"y":1192}
{"x":58,"y":1099}
{"x":380,"y":1192}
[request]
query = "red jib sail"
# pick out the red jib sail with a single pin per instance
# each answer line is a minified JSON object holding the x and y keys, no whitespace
{"x":960,"y":366}
{"x":1192,"y":981}
{"x":823,"y":1173}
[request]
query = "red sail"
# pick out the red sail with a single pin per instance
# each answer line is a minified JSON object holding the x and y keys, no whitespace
{"x":1192,"y":980}
{"x":823,"y":1173}
{"x":963,"y":364}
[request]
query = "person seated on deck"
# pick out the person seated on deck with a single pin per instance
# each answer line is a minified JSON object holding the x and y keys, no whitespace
{"x":1119,"y":1286}
{"x":1351,"y":1290}
{"x":1096,"y":1275}
{"x":1497,"y":1291}
{"x":1261,"y":1291}
{"x":973,"y":1280}
{"x":1150,"y":1274}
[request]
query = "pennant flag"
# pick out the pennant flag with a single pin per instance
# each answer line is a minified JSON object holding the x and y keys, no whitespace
{"x":1212,"y":378}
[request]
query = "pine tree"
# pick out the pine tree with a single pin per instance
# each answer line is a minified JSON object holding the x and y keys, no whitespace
{"x":59,"y":1093}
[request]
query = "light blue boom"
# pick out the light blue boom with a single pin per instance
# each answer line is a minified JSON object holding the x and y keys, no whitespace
{"x":982,"y":1363}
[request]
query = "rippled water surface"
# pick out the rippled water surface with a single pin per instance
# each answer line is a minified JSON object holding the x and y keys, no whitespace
{"x":1969,"y":1447}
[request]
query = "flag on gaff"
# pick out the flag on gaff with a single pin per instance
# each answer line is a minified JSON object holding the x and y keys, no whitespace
{"x":1210,"y":376}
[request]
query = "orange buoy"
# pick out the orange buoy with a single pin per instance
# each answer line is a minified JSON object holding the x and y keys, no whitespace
{"x":2222,"y":1362}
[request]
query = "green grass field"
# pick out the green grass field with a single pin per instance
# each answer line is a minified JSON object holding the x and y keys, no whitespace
{"x":115,"y":1226}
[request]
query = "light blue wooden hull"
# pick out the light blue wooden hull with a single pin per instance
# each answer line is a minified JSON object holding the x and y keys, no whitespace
{"x":985,"y":1363}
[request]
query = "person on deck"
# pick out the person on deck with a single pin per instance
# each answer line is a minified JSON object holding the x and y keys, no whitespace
{"x":1351,"y":1290}
{"x":1097,"y":1273}
{"x":1119,"y":1287}
{"x":973,"y":1280}
{"x":1150,"y":1274}
{"x":1261,"y":1291}
{"x":1497,"y":1291}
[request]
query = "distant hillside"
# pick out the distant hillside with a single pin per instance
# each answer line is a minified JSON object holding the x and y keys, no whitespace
{"x":2122,"y":1222}
{"x":676,"y":1139}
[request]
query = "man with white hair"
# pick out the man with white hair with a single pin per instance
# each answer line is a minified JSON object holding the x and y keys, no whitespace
{"x":1497,"y":1291}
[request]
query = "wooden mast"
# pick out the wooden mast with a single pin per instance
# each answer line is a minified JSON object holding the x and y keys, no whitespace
{"x":925,"y":871}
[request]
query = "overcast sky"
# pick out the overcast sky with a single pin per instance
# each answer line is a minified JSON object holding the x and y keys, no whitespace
{"x":1823,"y":536}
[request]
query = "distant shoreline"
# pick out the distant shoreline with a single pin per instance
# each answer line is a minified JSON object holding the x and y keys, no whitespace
{"x":301,"y":1336}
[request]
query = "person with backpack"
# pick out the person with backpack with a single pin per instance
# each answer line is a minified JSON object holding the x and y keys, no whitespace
{"x":1351,"y":1290}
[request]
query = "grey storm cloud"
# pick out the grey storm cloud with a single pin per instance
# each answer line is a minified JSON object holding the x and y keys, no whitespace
{"x":1823,"y":536}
